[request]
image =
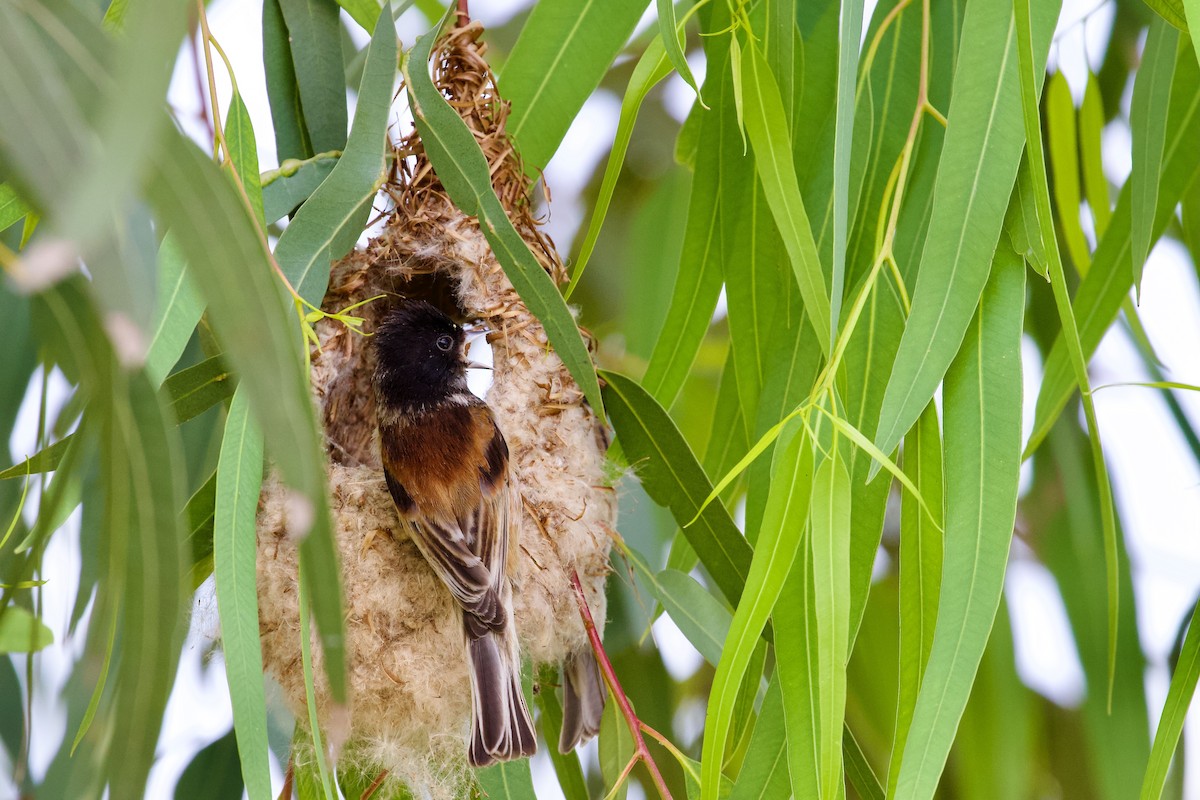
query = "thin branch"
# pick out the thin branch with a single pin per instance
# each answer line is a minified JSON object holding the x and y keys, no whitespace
{"x":641,"y":751}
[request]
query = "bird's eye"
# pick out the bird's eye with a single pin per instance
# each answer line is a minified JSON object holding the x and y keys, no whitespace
{"x":445,"y":342}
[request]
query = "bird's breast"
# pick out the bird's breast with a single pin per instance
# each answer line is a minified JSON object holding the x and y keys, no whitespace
{"x":437,"y":455}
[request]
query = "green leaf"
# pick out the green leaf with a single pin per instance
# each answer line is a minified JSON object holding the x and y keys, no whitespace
{"x":975,"y":177}
{"x":22,"y":632}
{"x":997,"y":752}
{"x":508,"y":780}
{"x":982,"y":404}
{"x":1147,"y":122}
{"x":1191,"y":9}
{"x":239,"y":480}
{"x":126,"y":128}
{"x":1116,"y":737}
{"x":287,"y":117}
{"x":616,"y":749}
{"x":364,"y":12}
{"x":330,"y":222}
{"x":562,"y":53}
{"x":1063,"y":149}
{"x":566,"y":765}
{"x":1179,"y":698}
{"x":1174,"y":12}
{"x":830,"y":537}
{"x":194,"y":390}
{"x":699,"y":278}
{"x":43,"y":461}
{"x":673,"y":478}
{"x":1101,"y":293}
{"x":764,"y":774}
{"x":189,"y":393}
{"x":12,"y":207}
{"x":1091,"y":129}
{"x":651,"y":68}
{"x":294,"y":182}
{"x":463,"y":171}
{"x":1070,"y":331}
{"x":797,"y":671}
{"x":213,"y":774}
{"x":699,"y":615}
{"x":243,"y":152}
{"x":778,"y":542}
{"x":671,"y":34}
{"x":858,"y":768}
{"x":176,"y":314}
{"x":848,"y":42}
{"x":1021,"y":223}
{"x":767,"y":128}
{"x":314,"y":34}
{"x":921,"y":549}
{"x":199,"y":517}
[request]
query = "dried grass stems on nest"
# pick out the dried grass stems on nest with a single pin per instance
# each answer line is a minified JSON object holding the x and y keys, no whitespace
{"x":409,"y":692}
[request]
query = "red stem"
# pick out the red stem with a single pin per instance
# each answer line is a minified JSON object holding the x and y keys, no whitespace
{"x":288,"y":777}
{"x":374,"y":787}
{"x":641,"y":751}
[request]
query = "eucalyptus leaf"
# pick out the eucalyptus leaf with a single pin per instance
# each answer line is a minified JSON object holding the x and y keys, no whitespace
{"x":544,"y":91}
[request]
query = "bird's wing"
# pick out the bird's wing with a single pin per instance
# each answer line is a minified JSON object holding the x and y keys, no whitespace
{"x":469,"y":550}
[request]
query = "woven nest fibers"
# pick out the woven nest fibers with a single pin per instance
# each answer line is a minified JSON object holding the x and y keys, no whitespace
{"x":409,"y":702}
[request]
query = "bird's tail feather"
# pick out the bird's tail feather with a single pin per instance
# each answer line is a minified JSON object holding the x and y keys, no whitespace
{"x":501,"y":728}
{"x":583,"y":700}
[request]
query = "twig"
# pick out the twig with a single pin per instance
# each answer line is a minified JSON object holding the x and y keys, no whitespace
{"x":374,"y":787}
{"x":288,"y":777}
{"x":641,"y":751}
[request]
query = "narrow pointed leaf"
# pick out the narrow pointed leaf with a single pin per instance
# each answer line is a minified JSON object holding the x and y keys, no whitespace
{"x":651,"y":68}
{"x":287,"y":117}
{"x":12,"y":207}
{"x":562,"y":53}
{"x":978,"y":166}
{"x":982,"y":405}
{"x":921,"y":549}
{"x":1147,"y":122}
{"x":176,"y":314}
{"x":364,"y":12}
{"x":314,"y":32}
{"x":764,"y":774}
{"x":1091,"y":128}
{"x":239,"y":479}
{"x":847,"y":80}
{"x":1063,"y":150}
{"x":766,"y":126}
{"x":669,"y":30}
{"x":1108,"y":282}
{"x":330,"y":222}
{"x":830,"y":538}
{"x":778,"y":542}
{"x":699,"y":279}
{"x":1062,"y":300}
{"x":674,"y":478}
{"x":1179,"y":698}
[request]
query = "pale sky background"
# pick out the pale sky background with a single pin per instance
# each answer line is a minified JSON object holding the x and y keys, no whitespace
{"x":1156,"y":480}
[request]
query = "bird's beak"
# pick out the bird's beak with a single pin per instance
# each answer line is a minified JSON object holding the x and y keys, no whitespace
{"x":478,"y":365}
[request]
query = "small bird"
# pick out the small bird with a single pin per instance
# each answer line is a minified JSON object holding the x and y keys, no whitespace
{"x":446,"y":465}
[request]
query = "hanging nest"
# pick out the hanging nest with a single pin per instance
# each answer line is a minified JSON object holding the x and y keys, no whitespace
{"x":409,"y":702}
